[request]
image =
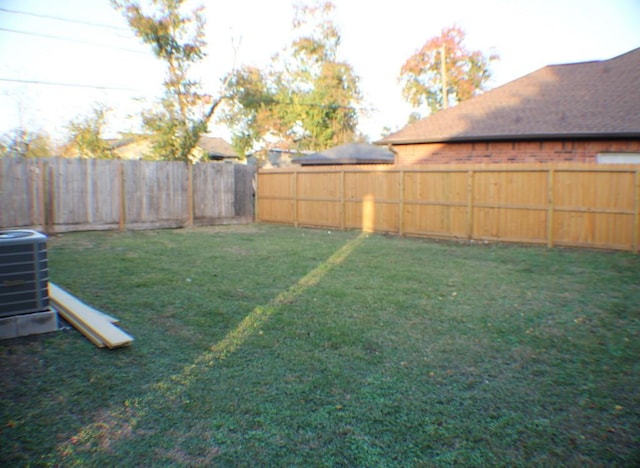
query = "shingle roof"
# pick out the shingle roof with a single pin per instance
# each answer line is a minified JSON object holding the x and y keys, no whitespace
{"x":215,"y":146}
{"x":581,"y":100}
{"x":348,"y":153}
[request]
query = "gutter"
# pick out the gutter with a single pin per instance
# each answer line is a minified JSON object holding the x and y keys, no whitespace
{"x":519,"y":137}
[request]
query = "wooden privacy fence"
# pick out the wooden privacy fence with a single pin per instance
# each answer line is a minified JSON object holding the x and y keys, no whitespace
{"x":58,"y":195}
{"x":570,"y":205}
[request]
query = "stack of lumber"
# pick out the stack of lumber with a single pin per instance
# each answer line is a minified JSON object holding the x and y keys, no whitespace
{"x":98,"y":327}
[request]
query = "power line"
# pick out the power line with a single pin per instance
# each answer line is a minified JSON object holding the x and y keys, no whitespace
{"x":70,"y":85}
{"x":66,"y":20}
{"x":70,"y":39}
{"x":121,"y":88}
{"x":117,"y":88}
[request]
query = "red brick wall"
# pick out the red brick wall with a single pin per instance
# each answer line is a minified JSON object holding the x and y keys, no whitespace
{"x":511,"y":152}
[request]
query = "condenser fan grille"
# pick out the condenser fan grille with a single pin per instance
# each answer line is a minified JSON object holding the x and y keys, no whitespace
{"x":23,"y":273}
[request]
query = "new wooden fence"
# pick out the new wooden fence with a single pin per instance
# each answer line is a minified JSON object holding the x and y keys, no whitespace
{"x":58,"y":195}
{"x":571,"y":205}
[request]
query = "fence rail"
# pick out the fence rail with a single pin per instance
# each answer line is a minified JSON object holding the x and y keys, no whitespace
{"x":59,"y":195}
{"x":582,"y":205}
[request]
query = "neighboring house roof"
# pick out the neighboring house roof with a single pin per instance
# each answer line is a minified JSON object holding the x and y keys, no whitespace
{"x":582,"y":100}
{"x":349,"y":153}
{"x":131,"y":147}
{"x":275,"y":157}
{"x":217,"y":148}
{"x":136,"y":146}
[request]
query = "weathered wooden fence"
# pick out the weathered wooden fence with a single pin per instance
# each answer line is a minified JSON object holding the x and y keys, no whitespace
{"x":571,"y":205}
{"x":58,"y":195}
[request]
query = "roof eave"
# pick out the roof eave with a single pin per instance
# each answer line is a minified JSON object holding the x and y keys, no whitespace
{"x":336,"y":162}
{"x":519,"y":137}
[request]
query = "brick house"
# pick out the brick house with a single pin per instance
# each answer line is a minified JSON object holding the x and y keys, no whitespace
{"x":581,"y":112}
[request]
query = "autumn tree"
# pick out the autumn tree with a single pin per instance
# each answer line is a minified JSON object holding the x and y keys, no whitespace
{"x":307,"y":99}
{"x":177,"y":38}
{"x":443,"y":72}
{"x":85,"y":136}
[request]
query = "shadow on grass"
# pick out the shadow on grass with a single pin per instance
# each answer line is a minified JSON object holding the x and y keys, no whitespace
{"x":120,"y":423}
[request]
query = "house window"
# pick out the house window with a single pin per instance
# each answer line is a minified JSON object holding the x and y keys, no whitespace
{"x":618,"y":158}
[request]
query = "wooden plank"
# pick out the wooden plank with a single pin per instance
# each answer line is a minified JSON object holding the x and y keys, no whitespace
{"x":88,"y":333}
{"x":107,"y":317}
{"x":89,"y":319}
{"x":96,"y":328}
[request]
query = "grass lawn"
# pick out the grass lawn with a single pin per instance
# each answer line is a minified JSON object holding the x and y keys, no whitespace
{"x":272,"y":346}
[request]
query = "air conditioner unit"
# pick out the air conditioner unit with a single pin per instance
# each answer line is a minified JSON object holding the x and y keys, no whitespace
{"x":24,"y":280}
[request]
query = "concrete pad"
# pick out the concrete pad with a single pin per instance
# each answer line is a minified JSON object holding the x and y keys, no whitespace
{"x":8,"y":328}
{"x":37,"y":323}
{"x":28,"y":324}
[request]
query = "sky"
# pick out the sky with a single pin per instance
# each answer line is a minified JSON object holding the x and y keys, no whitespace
{"x":99,"y":60}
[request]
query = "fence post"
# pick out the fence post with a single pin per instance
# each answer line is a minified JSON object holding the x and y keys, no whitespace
{"x":42,"y":197}
{"x":50,"y":201}
{"x":550,"y":206}
{"x":190,"y":201}
{"x":401,"y":205}
{"x":123,"y":197}
{"x":294,"y":198}
{"x":470,"y":204}
{"x":342,"y":202}
{"x":256,"y":199}
{"x":636,"y":213}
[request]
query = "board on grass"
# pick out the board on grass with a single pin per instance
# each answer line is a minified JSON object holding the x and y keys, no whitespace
{"x":95,"y":325}
{"x":94,"y":338}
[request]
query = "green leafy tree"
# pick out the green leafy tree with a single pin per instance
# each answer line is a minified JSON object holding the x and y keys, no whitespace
{"x":85,"y":136}
{"x":177,"y":38}
{"x":464,"y":73}
{"x":328,"y":88}
{"x":252,"y":111}
{"x":307,"y":99}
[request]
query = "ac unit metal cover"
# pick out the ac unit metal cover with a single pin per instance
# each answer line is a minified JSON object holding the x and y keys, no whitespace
{"x":24,"y":274}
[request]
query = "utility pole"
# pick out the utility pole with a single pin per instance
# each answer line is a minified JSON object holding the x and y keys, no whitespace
{"x":443,"y":72}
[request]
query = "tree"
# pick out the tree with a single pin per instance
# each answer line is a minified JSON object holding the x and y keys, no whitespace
{"x":26,"y":139}
{"x":85,"y":136}
{"x":176,"y":38}
{"x":252,"y":110}
{"x":26,"y":143}
{"x":464,"y":73}
{"x":327,"y":88}
{"x":307,"y":99}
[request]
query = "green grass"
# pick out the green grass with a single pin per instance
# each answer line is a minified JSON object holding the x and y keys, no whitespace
{"x":270,"y":346}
